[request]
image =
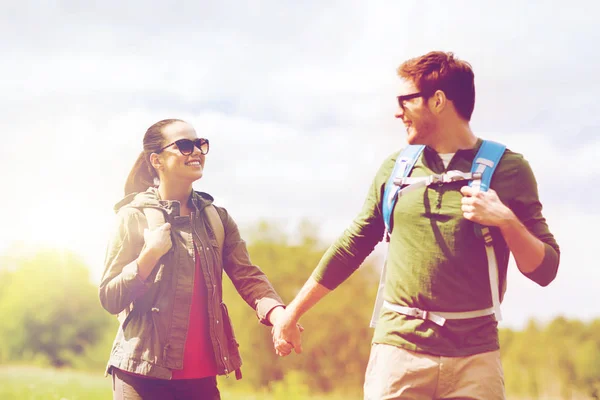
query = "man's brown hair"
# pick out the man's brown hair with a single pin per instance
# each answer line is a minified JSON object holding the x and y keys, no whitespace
{"x":438,"y":70}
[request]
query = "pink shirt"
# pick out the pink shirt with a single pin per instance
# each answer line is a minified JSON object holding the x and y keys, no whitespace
{"x":198,"y":357}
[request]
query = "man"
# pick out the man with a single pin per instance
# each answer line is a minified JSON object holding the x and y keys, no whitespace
{"x":436,"y":263}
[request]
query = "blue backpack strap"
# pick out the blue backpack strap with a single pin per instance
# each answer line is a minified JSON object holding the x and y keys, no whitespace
{"x":404,"y":164}
{"x":485,"y":162}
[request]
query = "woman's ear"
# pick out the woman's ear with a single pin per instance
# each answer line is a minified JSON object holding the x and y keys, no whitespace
{"x":155,"y":161}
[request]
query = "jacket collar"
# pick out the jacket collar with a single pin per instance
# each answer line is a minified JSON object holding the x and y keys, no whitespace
{"x":151,"y":199}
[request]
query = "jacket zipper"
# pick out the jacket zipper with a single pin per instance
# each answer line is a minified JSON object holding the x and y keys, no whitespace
{"x":214,"y":294}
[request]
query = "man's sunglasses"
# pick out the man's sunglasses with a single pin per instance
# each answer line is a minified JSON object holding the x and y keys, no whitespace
{"x":406,"y":97}
{"x":186,"y":146}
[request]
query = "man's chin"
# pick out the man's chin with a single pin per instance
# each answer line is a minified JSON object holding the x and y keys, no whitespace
{"x":412,"y":138}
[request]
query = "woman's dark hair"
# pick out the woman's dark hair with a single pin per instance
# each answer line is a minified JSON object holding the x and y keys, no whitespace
{"x":142,"y":175}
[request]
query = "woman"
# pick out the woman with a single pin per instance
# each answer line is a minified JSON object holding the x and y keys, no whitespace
{"x":165,"y":282}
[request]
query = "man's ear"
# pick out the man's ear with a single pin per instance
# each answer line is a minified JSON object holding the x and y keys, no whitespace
{"x":438,"y":101}
{"x":155,"y":161}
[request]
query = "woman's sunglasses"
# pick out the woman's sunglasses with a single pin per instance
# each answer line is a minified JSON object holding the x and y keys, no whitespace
{"x":186,"y":146}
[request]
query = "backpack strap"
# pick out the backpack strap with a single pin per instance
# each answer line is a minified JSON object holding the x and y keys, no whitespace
{"x":154,"y":216}
{"x":217,"y":226}
{"x":485,"y":162}
{"x":404,"y":164}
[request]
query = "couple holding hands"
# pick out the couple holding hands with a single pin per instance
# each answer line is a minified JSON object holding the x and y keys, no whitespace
{"x":436,"y":333}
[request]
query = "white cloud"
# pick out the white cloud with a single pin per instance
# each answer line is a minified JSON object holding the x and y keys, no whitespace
{"x":298,"y":102}
{"x":573,"y":293}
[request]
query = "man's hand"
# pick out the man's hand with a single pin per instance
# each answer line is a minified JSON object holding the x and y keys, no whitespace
{"x":485,"y":207}
{"x":286,"y":332}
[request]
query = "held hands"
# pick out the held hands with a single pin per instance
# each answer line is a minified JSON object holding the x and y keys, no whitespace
{"x":484,"y":207}
{"x":286,"y":332}
{"x":158,"y":240}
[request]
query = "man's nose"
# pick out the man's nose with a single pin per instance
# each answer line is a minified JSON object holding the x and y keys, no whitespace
{"x":399,"y":113}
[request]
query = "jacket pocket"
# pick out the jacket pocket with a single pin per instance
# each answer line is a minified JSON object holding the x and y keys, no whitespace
{"x":228,"y":326}
{"x":232,"y":344}
{"x":161,"y":279}
{"x":141,"y":339}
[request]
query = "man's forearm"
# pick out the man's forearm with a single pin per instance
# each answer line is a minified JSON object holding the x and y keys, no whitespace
{"x":527,"y":249}
{"x":309,"y":295}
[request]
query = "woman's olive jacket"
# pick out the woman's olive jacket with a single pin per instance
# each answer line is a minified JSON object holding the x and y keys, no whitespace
{"x":154,"y":313}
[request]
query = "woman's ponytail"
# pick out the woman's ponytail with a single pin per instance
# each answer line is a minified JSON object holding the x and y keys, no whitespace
{"x":142,"y":175}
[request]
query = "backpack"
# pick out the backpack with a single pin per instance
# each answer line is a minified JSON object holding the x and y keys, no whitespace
{"x":400,"y":183}
{"x":156,"y":218}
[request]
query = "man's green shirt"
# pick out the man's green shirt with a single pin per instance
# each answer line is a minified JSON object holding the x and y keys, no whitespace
{"x":435,"y":261}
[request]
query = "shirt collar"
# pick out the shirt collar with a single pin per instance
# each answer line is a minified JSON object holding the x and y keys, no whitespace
{"x":463,"y":153}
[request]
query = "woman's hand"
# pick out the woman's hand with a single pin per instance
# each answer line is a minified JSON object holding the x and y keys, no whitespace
{"x":286,"y":333}
{"x":156,"y":244}
{"x":158,"y":241}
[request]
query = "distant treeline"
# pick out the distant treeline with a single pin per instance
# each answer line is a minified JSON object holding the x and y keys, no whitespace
{"x":51,"y":316}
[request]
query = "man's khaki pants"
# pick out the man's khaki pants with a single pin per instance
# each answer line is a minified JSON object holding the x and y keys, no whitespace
{"x":396,"y":373}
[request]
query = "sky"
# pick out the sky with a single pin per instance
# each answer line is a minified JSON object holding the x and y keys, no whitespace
{"x":297,"y":99}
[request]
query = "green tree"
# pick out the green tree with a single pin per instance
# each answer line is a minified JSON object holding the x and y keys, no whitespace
{"x":50,"y":309}
{"x":563,"y":336}
{"x":336,"y":342}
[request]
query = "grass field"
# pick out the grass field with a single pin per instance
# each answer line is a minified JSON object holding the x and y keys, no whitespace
{"x":32,"y":383}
